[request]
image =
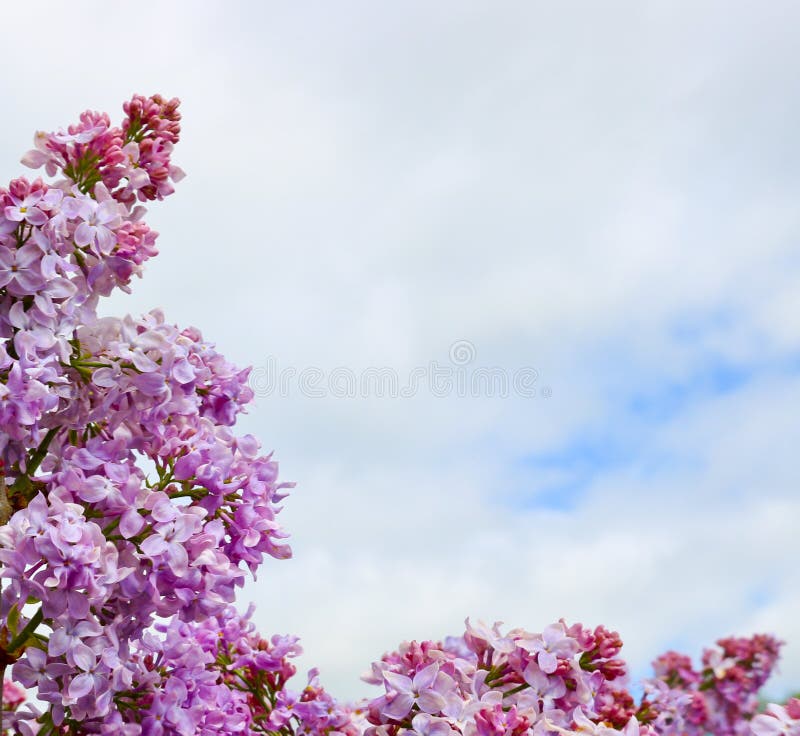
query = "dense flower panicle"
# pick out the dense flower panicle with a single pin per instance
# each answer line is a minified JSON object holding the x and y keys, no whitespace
{"x":152,"y":127}
{"x":219,"y":676}
{"x":127,"y":499}
{"x":106,"y":551}
{"x":132,"y":161}
{"x":564,"y":680}
{"x":722,"y":697}
{"x":742,"y":664}
{"x":495,"y":683}
{"x":60,"y":251}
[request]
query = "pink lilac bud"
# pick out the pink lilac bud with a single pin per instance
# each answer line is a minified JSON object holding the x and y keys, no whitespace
{"x":675,"y":669}
{"x":497,"y":721}
{"x":13,"y":695}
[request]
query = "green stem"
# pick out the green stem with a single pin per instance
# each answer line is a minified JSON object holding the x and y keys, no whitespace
{"x":113,"y":525}
{"x":20,"y":639}
{"x":515,"y":690}
{"x":90,"y":364}
{"x":187,"y":494}
{"x":41,"y":451}
{"x":495,"y":673}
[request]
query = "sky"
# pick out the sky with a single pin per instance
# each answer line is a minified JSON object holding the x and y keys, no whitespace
{"x":593,"y":204}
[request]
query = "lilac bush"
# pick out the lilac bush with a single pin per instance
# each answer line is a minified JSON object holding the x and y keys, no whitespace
{"x":131,"y":511}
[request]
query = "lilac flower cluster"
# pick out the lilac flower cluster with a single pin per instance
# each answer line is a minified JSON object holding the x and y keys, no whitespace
{"x":220,"y":676}
{"x":64,"y":245}
{"x":721,"y":698}
{"x":569,"y":679}
{"x":216,"y":676}
{"x":490,"y":683}
{"x":95,"y":550}
{"x":133,"y":160}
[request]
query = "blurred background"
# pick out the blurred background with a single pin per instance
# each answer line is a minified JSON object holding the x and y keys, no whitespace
{"x":600,"y":198}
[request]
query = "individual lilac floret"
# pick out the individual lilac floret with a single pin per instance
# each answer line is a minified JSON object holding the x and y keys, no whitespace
{"x":26,"y":209}
{"x":427,"y":690}
{"x":98,"y":222}
{"x":550,"y":646}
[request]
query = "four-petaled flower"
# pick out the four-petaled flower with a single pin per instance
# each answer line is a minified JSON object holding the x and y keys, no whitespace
{"x":427,"y":691}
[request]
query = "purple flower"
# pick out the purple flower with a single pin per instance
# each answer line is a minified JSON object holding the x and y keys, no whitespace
{"x":99,"y":220}
{"x":550,"y":646}
{"x":20,"y":268}
{"x":34,"y":668}
{"x":26,"y":209}
{"x":167,"y":543}
{"x":427,"y":725}
{"x":427,"y":690}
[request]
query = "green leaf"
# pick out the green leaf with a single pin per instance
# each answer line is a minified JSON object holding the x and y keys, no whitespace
{"x":12,"y":620}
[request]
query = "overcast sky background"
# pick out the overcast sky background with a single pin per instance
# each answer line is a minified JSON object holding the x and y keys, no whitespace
{"x":604,"y":192}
